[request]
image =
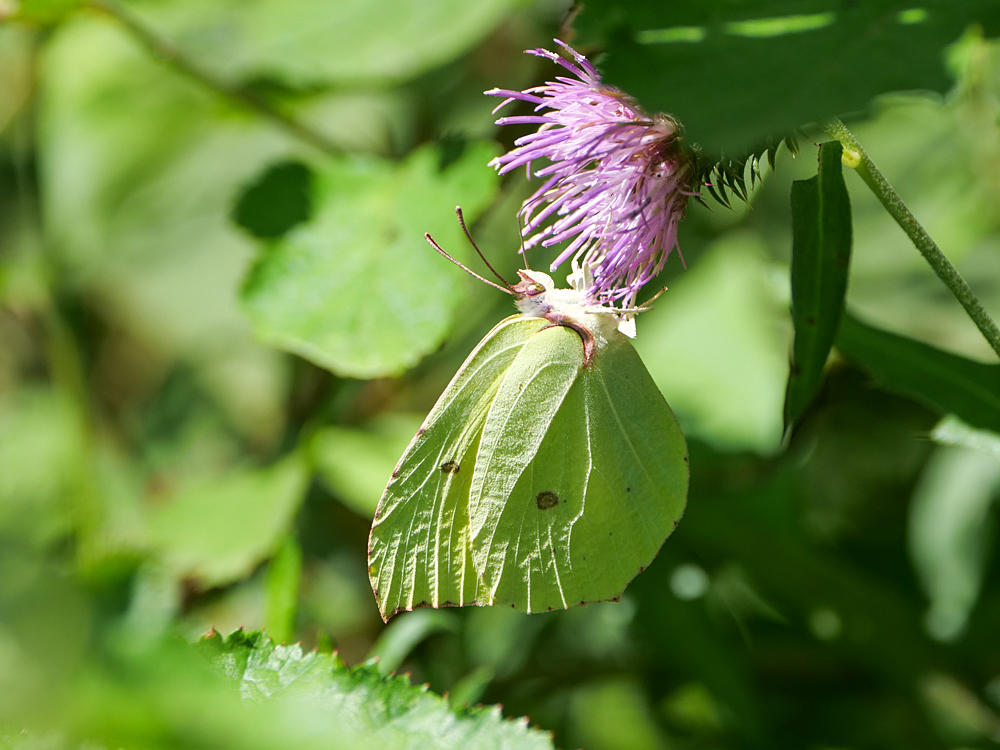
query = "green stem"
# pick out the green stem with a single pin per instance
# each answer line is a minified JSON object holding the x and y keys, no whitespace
{"x":164,"y":49}
{"x":890,"y":199}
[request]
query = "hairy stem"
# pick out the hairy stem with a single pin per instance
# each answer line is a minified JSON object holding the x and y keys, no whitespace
{"x":856,"y":155}
{"x":165,"y":50}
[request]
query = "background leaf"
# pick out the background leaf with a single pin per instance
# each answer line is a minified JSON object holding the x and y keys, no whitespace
{"x":945,"y":382}
{"x":950,"y":533}
{"x":310,"y":42}
{"x":284,"y":576}
{"x":774,"y":65}
{"x":821,"y":260}
{"x":41,"y":11}
{"x":787,"y":610}
{"x":278,"y":199}
{"x":219,"y":530}
{"x":356,"y":289}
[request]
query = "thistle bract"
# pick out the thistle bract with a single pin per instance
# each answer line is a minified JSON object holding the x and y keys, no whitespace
{"x":616,"y":181}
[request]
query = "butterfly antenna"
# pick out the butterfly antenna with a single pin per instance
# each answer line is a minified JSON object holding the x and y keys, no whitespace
{"x":651,"y":300}
{"x":469,"y":271}
{"x":461,"y":220}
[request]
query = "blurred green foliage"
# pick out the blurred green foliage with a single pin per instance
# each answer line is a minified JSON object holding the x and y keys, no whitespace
{"x":164,"y":469}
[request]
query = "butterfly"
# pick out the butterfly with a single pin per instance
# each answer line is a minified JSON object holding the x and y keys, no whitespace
{"x":547,"y":475}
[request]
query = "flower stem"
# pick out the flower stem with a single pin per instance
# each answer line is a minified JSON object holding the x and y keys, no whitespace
{"x":889,"y":198}
{"x":165,"y":50}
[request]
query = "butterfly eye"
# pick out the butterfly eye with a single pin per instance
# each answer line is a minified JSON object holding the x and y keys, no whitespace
{"x":533,"y":289}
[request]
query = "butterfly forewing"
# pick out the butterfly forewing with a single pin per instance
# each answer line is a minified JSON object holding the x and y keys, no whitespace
{"x":418,"y":551}
{"x":580,"y":497}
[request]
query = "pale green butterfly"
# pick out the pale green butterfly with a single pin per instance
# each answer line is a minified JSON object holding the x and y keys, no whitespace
{"x":548,"y":474}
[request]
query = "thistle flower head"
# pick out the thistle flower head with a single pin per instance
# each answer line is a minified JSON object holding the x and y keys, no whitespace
{"x":616,"y":181}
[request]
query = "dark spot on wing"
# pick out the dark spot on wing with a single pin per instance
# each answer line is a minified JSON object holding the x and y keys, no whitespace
{"x":628,"y":489}
{"x":450,"y":467}
{"x":421,"y":431}
{"x":546,"y":499}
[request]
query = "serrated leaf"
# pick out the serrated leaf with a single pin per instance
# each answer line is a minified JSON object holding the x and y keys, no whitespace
{"x":364,"y":706}
{"x":356,"y":289}
{"x":219,"y":530}
{"x":946,"y":383}
{"x":741,"y":71}
{"x":821,"y":257}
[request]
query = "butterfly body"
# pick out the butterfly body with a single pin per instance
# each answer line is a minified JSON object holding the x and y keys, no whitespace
{"x":547,"y":475}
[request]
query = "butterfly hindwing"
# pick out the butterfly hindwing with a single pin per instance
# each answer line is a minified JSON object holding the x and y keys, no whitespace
{"x":581,"y":475}
{"x":418,"y":551}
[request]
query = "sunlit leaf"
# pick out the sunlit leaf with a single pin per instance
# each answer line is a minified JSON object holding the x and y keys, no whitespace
{"x":369,"y":709}
{"x":725,"y":309}
{"x":356,"y":289}
{"x":307,"y":42}
{"x":945,"y":382}
{"x":737,"y":72}
{"x":137,"y":173}
{"x":821,"y":258}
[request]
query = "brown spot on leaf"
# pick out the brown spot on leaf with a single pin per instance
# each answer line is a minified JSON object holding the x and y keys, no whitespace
{"x":546,"y":499}
{"x":450,"y":467}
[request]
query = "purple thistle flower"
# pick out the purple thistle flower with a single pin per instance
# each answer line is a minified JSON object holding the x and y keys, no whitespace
{"x":616,"y":183}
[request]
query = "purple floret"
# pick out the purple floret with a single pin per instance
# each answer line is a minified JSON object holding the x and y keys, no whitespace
{"x":616,"y":182}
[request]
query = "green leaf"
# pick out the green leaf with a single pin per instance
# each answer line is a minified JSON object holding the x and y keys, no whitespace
{"x":736,"y":72}
{"x":359,"y":704}
{"x":725,"y":309}
{"x":41,"y":11}
{"x":307,"y":42}
{"x":355,"y":463}
{"x":284,"y":575}
{"x":276,"y":201}
{"x":219,"y":530}
{"x":137,"y":169}
{"x":399,"y":639}
{"x":356,"y":289}
{"x":942,"y":381}
{"x":950,"y":533}
{"x":821,"y":258}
